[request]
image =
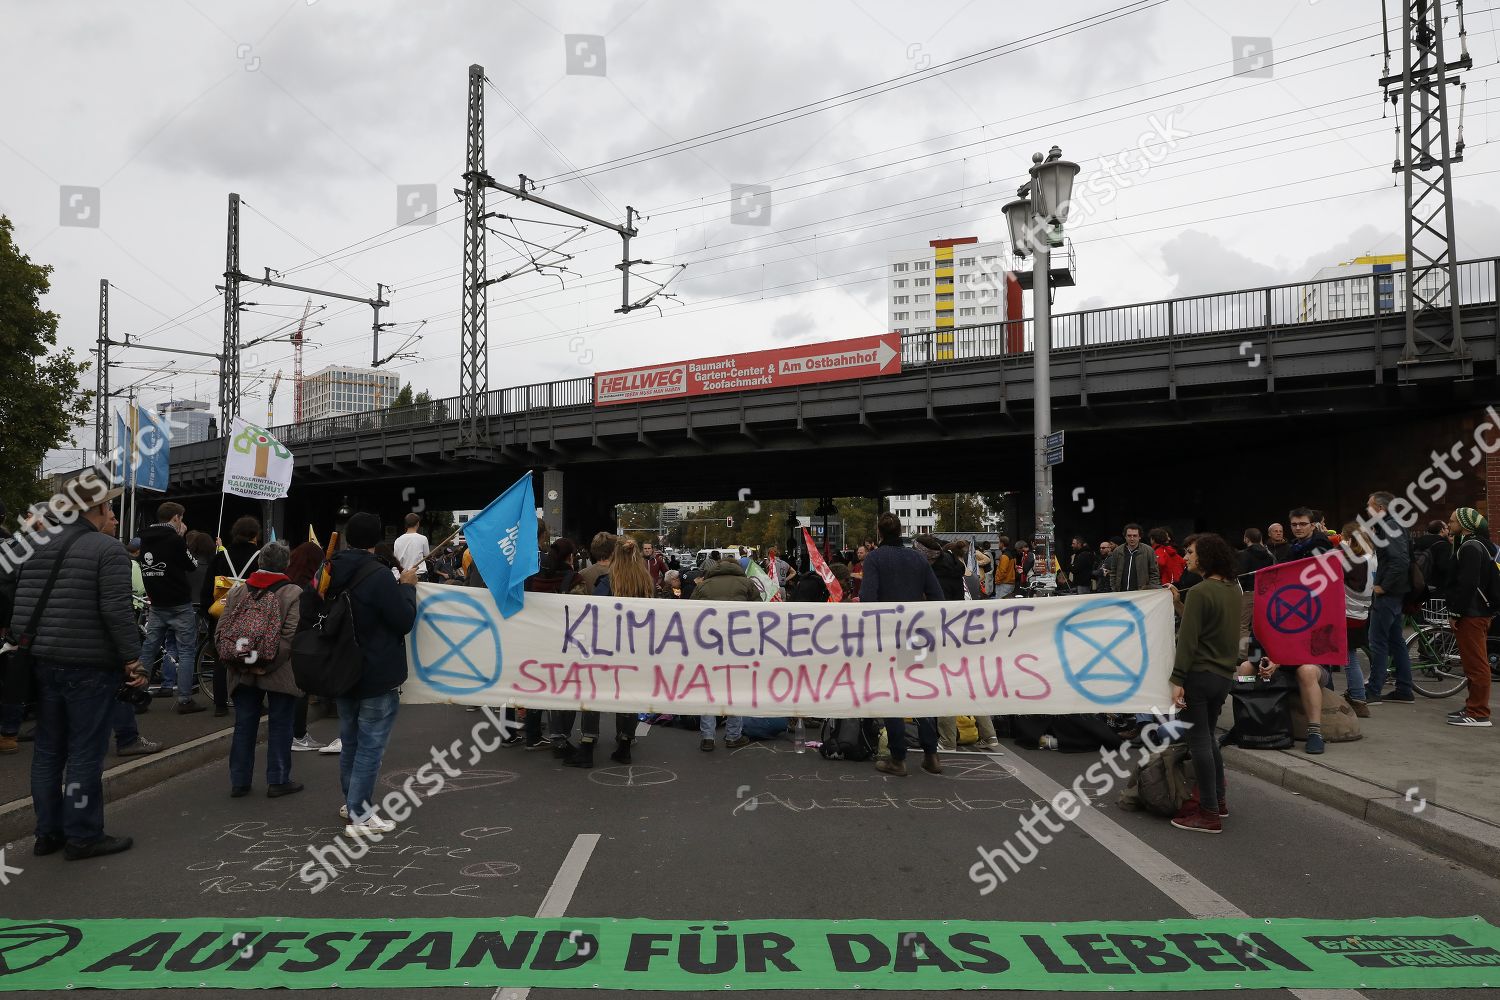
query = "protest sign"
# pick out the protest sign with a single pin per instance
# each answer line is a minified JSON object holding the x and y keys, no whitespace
{"x":1054,"y":656}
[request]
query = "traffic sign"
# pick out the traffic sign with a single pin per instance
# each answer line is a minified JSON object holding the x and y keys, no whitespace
{"x":1055,"y":441}
{"x":1054,"y":456}
{"x":728,"y":522}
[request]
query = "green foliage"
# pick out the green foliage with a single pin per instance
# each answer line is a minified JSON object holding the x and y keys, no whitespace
{"x":40,"y":401}
{"x":970,"y":510}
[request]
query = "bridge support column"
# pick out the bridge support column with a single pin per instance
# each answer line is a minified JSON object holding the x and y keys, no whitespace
{"x":552,"y":501}
{"x":582,"y":511}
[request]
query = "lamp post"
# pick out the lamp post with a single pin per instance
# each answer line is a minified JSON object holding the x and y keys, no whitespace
{"x":1035,"y":220}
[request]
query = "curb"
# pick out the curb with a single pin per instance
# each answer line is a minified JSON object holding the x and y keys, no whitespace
{"x":18,"y":820}
{"x":1442,"y":831}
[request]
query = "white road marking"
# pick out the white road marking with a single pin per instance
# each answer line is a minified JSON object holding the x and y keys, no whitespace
{"x":555,"y":903}
{"x":1156,"y":868}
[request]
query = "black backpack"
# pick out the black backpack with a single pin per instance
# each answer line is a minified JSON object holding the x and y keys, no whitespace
{"x":849,"y":739}
{"x":326,"y":659}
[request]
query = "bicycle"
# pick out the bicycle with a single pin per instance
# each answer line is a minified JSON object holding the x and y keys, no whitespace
{"x":1436,"y":669}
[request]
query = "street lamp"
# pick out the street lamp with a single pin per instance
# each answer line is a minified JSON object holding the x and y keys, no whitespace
{"x":1035,"y":220}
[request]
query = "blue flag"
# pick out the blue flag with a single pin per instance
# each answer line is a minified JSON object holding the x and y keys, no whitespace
{"x":153,"y":445}
{"x":502,"y":540}
{"x":124,"y":453}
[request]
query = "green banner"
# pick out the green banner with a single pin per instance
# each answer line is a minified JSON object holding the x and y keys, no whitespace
{"x":630,"y":954}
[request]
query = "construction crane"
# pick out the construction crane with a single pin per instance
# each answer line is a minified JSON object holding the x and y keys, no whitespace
{"x":271,"y":399}
{"x":297,"y":365}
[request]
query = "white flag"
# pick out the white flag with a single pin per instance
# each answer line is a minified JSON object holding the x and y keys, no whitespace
{"x":258,"y":466}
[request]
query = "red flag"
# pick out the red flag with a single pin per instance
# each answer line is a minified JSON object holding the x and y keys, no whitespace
{"x":820,"y":566}
{"x":1299,"y":610}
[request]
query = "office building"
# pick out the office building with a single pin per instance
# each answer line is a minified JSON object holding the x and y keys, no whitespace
{"x":187,"y":420}
{"x":336,"y":390}
{"x":1361,"y":286}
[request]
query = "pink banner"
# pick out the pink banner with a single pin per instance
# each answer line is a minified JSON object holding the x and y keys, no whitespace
{"x":1299,"y":611}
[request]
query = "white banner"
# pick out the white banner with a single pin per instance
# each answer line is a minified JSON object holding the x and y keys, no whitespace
{"x":1057,"y":655}
{"x":258,"y":466}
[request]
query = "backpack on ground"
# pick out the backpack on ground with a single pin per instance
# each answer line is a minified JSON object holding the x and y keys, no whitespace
{"x":249,"y":637}
{"x":849,"y":739}
{"x":967,"y":730}
{"x":326,"y":658}
{"x":1161,"y":784}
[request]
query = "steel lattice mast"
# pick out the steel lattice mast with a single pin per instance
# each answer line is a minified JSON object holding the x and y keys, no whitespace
{"x":473,"y":378}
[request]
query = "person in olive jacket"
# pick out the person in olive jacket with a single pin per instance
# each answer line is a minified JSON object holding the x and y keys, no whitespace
{"x":258,"y":687}
{"x":385,"y":610}
{"x":1472,"y":590}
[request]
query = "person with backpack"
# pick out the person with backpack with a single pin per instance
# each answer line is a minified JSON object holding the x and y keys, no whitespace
{"x":234,"y":561}
{"x":1208,"y":645}
{"x":307,"y":559}
{"x":254,"y":642}
{"x":384,"y":612}
{"x":1472,"y":595}
{"x":1433,"y":553}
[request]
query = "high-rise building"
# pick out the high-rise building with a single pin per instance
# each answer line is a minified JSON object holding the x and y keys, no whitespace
{"x":187,"y":420}
{"x":952,"y":283}
{"x":1347,"y":290}
{"x":336,"y":390}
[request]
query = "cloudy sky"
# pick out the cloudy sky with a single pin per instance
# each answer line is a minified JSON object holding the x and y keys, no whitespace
{"x":317,"y":111}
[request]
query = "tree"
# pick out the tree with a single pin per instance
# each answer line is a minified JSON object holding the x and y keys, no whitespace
{"x":968,"y":507}
{"x":640,"y":520}
{"x":39,"y":398}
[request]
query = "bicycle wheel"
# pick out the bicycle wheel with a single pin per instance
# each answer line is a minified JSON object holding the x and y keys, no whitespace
{"x":1435,"y":668}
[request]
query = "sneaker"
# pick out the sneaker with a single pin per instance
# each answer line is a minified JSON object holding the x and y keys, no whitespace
{"x":335,"y":745}
{"x":1372,"y":699}
{"x":372,"y":825}
{"x":707,"y":746}
{"x":1465,"y":718}
{"x":514,"y":739}
{"x":539,"y":745}
{"x":285,"y":788}
{"x":344,"y":812}
{"x":1395,"y":698}
{"x":9,"y":744}
{"x":97,"y":849}
{"x":946,"y":747}
{"x":189,"y":707}
{"x":1361,"y":710}
{"x":888,"y":765}
{"x":1198,"y":822}
{"x":306,"y":743}
{"x":1314,"y":743}
{"x":139,"y":748}
{"x":737,"y":742}
{"x":990,"y":744}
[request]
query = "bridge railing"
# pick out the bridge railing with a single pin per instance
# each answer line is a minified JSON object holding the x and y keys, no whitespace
{"x":1258,"y":310}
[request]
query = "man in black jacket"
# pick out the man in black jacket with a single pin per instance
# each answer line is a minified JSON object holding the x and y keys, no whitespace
{"x":1392,"y":582}
{"x":1081,"y":567}
{"x":165,"y":565}
{"x":84,"y":646}
{"x":1471,"y":595}
{"x":894,"y":572}
{"x":1439,"y":549}
{"x":384,"y":612}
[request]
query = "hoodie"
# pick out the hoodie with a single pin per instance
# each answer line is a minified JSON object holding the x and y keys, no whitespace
{"x":725,"y":580}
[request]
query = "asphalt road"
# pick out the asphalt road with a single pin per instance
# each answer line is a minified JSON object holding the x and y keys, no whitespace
{"x":757,"y":833}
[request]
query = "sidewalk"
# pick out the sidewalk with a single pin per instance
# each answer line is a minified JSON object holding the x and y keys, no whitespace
{"x":1412,"y":775}
{"x":187,"y":741}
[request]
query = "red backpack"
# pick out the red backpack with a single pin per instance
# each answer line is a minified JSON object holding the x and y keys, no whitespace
{"x":249,"y":636}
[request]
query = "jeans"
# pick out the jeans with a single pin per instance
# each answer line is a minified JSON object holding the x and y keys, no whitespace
{"x":1004,"y":590}
{"x":122,"y":720}
{"x":182,"y":622}
{"x":734,"y":726}
{"x":1473,"y":653}
{"x":1358,"y":636}
{"x":10,"y":719}
{"x":248,"y":705}
{"x":625,"y":726}
{"x":895,"y":735}
{"x":364,"y":728}
{"x":1205,"y":692}
{"x":73,"y":713}
{"x":1387,"y":642}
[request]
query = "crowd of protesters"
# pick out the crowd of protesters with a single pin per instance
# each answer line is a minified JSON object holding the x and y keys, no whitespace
{"x":72,"y":606}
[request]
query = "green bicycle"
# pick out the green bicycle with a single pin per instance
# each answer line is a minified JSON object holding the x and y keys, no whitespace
{"x":1436,"y":670}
